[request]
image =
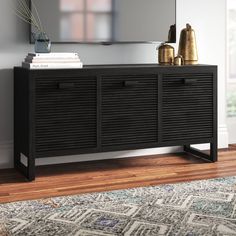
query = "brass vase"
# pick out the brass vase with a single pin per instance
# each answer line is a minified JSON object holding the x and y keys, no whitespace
{"x":166,"y":54}
{"x":178,"y":60}
{"x":188,"y":46}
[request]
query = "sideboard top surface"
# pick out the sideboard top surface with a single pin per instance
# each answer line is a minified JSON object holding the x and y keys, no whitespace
{"x":119,"y":66}
{"x":117,"y":69}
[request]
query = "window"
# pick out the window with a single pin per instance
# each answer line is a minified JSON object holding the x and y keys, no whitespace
{"x":86,"y":20}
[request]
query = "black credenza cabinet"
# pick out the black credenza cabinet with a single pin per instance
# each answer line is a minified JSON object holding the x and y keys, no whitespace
{"x":113,"y":107}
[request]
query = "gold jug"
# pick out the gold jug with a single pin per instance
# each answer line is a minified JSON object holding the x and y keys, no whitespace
{"x":188,"y":46}
{"x":166,"y":54}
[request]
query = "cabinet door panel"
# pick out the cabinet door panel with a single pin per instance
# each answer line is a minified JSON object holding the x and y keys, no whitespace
{"x":65,"y":115}
{"x":129,"y":110}
{"x":187,"y":111}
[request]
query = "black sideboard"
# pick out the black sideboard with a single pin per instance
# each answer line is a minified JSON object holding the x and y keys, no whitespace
{"x":113,"y":107}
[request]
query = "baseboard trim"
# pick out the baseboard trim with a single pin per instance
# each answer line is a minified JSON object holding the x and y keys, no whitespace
{"x":223,"y":136}
{"x":6,"y":152}
{"x":6,"y":145}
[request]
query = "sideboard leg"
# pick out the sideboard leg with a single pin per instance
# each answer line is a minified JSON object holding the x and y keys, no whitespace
{"x":16,"y":157}
{"x":29,"y":170}
{"x":210,"y":158}
{"x":213,"y":152}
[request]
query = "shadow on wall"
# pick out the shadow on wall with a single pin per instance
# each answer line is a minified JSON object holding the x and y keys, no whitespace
{"x":6,"y":117}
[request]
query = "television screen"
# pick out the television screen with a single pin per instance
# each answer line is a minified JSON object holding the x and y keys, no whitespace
{"x":108,"y":21}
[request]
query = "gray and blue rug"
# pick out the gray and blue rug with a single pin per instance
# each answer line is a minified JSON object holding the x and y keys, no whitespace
{"x":194,"y":208}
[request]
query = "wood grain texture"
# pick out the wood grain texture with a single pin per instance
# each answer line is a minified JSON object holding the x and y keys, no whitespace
{"x":96,"y":176}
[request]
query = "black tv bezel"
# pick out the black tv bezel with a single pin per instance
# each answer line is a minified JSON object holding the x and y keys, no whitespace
{"x":105,"y":43}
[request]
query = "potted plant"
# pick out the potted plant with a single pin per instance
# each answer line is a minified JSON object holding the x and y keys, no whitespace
{"x":30,"y":15}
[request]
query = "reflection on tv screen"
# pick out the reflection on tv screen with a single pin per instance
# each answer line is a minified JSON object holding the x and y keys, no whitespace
{"x":106,"y":20}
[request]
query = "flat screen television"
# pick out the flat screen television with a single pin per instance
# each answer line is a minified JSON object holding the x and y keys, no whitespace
{"x":107,"y":21}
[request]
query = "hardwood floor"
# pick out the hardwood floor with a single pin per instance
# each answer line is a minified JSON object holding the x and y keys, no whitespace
{"x":77,"y":178}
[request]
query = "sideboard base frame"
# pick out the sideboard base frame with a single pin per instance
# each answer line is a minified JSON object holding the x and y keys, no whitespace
{"x":29,"y":171}
{"x":212,"y":157}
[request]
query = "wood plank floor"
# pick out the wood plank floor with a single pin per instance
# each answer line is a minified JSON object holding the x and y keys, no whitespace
{"x":77,"y":178}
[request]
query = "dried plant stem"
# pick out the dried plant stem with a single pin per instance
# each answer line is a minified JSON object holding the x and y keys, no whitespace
{"x":27,"y":21}
{"x":25,"y":14}
{"x":37,"y":14}
{"x":30,"y":14}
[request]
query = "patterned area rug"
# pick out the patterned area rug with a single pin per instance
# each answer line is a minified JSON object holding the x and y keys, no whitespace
{"x":193,"y":208}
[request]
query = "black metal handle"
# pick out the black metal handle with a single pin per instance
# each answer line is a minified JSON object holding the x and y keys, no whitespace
{"x":66,"y":85}
{"x":189,"y":81}
{"x":130,"y":83}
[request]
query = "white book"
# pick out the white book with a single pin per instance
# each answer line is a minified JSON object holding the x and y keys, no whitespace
{"x":54,"y":54}
{"x":51,"y":60}
{"x":29,"y":58}
{"x":32,"y":66}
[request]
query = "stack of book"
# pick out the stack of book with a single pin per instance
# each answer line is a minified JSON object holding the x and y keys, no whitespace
{"x":52,"y":61}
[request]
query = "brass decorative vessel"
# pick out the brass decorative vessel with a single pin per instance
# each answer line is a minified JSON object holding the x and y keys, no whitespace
{"x":188,"y":46}
{"x":166,"y":54}
{"x":178,"y":60}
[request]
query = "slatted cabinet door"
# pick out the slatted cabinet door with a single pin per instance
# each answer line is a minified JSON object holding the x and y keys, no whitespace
{"x":65,"y":115}
{"x":187,"y":107}
{"x":129,"y":111}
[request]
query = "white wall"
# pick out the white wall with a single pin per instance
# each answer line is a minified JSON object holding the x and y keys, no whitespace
{"x":206,"y":16}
